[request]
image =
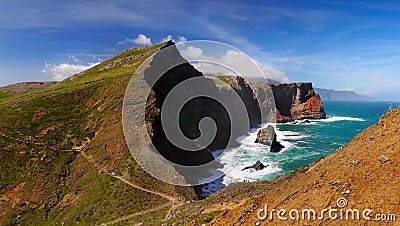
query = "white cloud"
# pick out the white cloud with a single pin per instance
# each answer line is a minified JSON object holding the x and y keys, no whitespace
{"x":64,"y":70}
{"x":192,"y":52}
{"x":169,"y":37}
{"x":181,"y":39}
{"x":232,"y":62}
{"x":127,"y":40}
{"x":141,"y":39}
{"x":347,"y":88}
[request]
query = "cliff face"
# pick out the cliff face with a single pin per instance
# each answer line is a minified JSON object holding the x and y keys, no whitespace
{"x":246,"y":93}
{"x":297,"y":101}
{"x":190,"y":115}
{"x":294,"y":101}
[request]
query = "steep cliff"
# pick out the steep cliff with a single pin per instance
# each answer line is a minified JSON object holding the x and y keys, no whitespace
{"x":293,"y":101}
{"x":245,"y":91}
{"x":297,"y":101}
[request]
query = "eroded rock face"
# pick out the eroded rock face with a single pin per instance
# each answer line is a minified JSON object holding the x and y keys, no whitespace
{"x":296,"y":101}
{"x":164,"y":80}
{"x":246,"y":93}
{"x":267,"y":136}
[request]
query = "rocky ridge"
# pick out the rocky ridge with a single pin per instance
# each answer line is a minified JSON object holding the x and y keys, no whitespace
{"x":297,"y":101}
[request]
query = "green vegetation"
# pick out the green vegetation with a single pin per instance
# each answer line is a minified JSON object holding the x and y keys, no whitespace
{"x":44,"y":179}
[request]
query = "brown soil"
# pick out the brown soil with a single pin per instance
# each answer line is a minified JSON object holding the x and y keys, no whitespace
{"x":356,"y":172}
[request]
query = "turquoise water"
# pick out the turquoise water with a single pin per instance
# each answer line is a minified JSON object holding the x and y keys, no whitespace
{"x":322,"y":137}
{"x":304,"y":143}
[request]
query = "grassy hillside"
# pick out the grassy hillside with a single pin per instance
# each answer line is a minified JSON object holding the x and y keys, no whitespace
{"x":62,"y":150}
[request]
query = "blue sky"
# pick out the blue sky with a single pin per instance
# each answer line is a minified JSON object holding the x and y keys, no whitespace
{"x":352,"y":45}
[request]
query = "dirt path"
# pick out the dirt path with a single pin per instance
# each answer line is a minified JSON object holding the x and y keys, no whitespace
{"x":170,"y":198}
{"x":127,"y":217}
{"x":174,"y":202}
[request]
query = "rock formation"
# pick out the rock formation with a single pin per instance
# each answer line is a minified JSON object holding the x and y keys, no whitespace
{"x":276,"y":146}
{"x":296,"y":101}
{"x":257,"y":166}
{"x":267,"y":136}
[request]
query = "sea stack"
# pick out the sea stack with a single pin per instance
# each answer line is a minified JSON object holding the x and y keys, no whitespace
{"x":267,"y":136}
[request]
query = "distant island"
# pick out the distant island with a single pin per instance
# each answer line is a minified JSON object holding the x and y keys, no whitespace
{"x":329,"y":94}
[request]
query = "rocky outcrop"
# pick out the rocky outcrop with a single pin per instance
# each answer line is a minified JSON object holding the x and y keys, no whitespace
{"x":246,"y":93}
{"x":162,"y":79}
{"x":257,"y":166}
{"x":267,"y":136}
{"x":30,"y":85}
{"x":276,"y":146}
{"x":297,"y":101}
{"x":293,"y":101}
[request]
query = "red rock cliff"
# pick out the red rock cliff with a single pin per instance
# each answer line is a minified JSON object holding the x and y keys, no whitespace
{"x":296,"y":101}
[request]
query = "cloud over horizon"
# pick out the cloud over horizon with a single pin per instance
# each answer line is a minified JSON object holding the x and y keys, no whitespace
{"x":62,"y":71}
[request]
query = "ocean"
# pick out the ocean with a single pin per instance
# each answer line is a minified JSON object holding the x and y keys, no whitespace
{"x":304,"y":143}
